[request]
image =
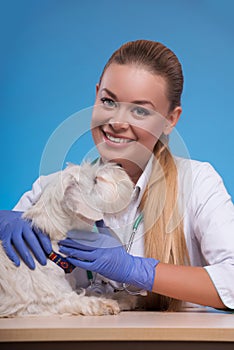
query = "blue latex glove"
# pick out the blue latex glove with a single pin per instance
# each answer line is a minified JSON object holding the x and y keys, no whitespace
{"x":104,"y":254}
{"x":18,"y":236}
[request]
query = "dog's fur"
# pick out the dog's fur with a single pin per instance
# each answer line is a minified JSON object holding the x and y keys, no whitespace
{"x":75,"y":199}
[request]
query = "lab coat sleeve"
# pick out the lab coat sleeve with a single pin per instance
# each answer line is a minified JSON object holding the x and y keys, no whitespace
{"x":31,"y":197}
{"x":214,"y":229}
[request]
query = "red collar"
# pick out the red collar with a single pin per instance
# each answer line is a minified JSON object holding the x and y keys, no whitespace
{"x":61,"y":262}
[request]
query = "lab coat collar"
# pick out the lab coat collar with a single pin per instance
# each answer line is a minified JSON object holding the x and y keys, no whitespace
{"x":142,"y":181}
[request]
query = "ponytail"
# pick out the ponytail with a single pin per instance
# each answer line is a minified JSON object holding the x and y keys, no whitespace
{"x":164,"y":234}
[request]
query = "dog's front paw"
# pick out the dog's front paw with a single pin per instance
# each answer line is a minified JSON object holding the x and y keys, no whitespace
{"x":98,"y":306}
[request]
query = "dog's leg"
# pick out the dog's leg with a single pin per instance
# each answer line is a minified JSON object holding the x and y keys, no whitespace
{"x":76,"y":304}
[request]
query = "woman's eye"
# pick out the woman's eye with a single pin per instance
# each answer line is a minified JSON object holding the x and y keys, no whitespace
{"x":141,"y":112}
{"x":107,"y":102}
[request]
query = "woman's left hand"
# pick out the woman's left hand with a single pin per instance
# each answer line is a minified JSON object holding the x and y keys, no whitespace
{"x":104,"y":254}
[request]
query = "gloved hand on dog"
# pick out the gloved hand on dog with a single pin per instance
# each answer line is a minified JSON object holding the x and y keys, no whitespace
{"x":18,"y":237}
{"x":104,"y":254}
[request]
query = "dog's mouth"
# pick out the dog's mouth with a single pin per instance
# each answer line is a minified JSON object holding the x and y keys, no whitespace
{"x":85,"y":220}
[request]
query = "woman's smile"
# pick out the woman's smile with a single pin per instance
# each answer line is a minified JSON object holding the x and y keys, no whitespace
{"x":115,"y":139}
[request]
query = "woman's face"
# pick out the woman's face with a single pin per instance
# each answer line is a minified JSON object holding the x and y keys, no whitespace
{"x":130,"y":114}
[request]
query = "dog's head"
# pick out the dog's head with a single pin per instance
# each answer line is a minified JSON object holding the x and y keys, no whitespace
{"x":94,"y":190}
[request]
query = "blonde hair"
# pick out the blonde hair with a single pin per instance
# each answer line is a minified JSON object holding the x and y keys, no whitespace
{"x":164,"y":233}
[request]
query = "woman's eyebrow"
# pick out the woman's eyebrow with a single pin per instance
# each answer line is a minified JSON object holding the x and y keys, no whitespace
{"x":138,"y":102}
{"x":144,"y":102}
{"x":110,"y":93}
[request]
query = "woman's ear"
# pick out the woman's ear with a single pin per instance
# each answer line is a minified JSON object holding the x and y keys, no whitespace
{"x":172,"y":119}
{"x":97,"y":89}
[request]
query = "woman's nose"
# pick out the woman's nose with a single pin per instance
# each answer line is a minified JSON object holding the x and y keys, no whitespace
{"x":119,"y":119}
{"x":117,"y":125}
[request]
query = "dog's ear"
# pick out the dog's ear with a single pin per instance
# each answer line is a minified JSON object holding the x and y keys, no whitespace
{"x":77,"y":203}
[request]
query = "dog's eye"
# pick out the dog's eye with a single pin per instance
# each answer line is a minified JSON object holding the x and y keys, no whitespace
{"x":99,"y":179}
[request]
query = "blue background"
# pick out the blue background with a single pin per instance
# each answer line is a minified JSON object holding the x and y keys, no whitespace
{"x":52,"y":53}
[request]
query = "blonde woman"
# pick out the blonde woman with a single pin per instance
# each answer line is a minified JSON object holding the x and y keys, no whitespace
{"x":177,"y":233}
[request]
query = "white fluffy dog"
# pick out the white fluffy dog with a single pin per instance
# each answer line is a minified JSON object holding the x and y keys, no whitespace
{"x":76,"y":198}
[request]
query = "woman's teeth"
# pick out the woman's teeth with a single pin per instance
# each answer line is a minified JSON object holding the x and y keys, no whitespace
{"x":117,"y":139}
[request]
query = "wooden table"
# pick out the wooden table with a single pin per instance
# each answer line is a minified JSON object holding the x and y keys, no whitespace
{"x":195,"y":328}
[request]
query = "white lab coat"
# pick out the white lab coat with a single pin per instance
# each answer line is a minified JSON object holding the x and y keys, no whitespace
{"x":208,"y":222}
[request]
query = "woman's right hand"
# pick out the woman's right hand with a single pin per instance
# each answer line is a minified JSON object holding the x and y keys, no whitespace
{"x":19,"y":237}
